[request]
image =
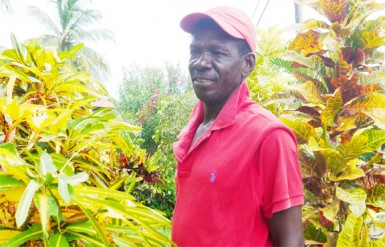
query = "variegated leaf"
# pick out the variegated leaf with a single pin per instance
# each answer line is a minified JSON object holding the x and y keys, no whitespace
{"x":333,"y":106}
{"x":349,"y":172}
{"x":371,"y":104}
{"x":376,"y":196}
{"x":331,"y":210}
{"x":376,"y":138}
{"x":302,"y":130}
{"x":350,"y":234}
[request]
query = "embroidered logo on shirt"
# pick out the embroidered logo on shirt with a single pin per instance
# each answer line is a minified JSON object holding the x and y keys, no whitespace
{"x":212,"y":177}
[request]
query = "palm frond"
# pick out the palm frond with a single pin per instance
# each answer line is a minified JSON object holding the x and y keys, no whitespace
{"x":5,"y":6}
{"x":47,"y":40}
{"x":94,"y":63}
{"x":44,"y":19}
{"x":96,"y":35}
{"x":84,"y":18}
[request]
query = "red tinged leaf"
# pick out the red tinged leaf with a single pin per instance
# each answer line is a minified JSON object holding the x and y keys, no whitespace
{"x":327,"y":61}
{"x":353,"y":91}
{"x":324,"y":221}
{"x":339,"y":81}
{"x":344,"y":67}
{"x":312,"y":184}
{"x":123,"y":161}
{"x":359,"y":57}
{"x":347,"y":54}
{"x":335,"y":11}
{"x":346,"y":137}
{"x":309,"y":111}
{"x":297,"y":65}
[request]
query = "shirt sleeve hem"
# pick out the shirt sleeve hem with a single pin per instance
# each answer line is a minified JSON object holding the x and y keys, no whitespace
{"x":283,"y":204}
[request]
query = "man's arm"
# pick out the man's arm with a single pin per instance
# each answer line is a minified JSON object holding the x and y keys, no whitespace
{"x":285,"y":227}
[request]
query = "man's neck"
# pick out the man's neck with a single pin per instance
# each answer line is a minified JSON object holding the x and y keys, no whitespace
{"x":211,"y":112}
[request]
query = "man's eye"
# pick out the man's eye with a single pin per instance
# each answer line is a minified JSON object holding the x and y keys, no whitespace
{"x":194,"y":52}
{"x":218,"y":53}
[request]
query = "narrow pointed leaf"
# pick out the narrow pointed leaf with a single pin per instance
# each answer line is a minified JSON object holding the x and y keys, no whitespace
{"x":34,"y":232}
{"x":6,"y":235}
{"x":47,"y":206}
{"x":77,"y":178}
{"x":58,"y":240}
{"x":84,"y":227}
{"x":46,"y":164}
{"x":95,"y":224}
{"x":8,"y":182}
{"x":25,"y":202}
{"x":82,"y":191}
{"x":91,"y":240}
{"x":63,"y":189}
{"x":123,"y":242}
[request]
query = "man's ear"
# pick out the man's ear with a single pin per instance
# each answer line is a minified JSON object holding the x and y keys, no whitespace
{"x":249,"y":60}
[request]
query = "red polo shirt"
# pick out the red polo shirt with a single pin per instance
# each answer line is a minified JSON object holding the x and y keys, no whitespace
{"x":240,"y":172}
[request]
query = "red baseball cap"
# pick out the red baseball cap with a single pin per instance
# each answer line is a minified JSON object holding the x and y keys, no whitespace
{"x":232,"y":20}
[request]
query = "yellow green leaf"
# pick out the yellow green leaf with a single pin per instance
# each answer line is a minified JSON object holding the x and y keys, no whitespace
{"x":58,"y":240}
{"x":330,"y":211}
{"x":34,"y":232}
{"x":350,"y":234}
{"x":6,"y":235}
{"x":333,"y":106}
{"x":349,"y":172}
{"x":8,"y":182}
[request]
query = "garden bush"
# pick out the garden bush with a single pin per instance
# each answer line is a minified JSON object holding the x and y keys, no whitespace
{"x":160,"y":101}
{"x":340,"y":121}
{"x":64,"y":166}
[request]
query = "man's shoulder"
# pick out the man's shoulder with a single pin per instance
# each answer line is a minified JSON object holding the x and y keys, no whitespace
{"x":256,"y":114}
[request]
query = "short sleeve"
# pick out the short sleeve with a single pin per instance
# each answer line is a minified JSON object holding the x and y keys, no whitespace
{"x":282,"y":183}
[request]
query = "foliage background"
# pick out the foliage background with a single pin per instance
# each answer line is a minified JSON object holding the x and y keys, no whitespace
{"x":160,"y":101}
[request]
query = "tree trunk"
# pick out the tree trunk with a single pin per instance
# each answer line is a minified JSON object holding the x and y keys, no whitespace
{"x":298,"y":13}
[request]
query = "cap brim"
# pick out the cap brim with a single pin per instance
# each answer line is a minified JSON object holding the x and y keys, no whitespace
{"x":232,"y":21}
{"x":190,"y":21}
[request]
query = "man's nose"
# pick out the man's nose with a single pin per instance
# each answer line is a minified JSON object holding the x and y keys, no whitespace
{"x":203,"y":60}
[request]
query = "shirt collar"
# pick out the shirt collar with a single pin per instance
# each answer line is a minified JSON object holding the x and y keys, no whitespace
{"x":225,"y":118}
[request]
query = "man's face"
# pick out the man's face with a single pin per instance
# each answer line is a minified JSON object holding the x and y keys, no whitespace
{"x":215,"y":65}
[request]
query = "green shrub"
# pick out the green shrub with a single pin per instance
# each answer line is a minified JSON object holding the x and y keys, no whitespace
{"x":160,"y":101}
{"x":62,"y":180}
{"x":339,"y":121}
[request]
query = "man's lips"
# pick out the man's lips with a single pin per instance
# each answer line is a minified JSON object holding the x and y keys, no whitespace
{"x":202,"y":81}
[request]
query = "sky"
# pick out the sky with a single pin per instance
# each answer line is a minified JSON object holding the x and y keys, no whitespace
{"x":147,"y":32}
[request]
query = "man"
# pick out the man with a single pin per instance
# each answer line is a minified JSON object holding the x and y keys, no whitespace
{"x":238,"y":181}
